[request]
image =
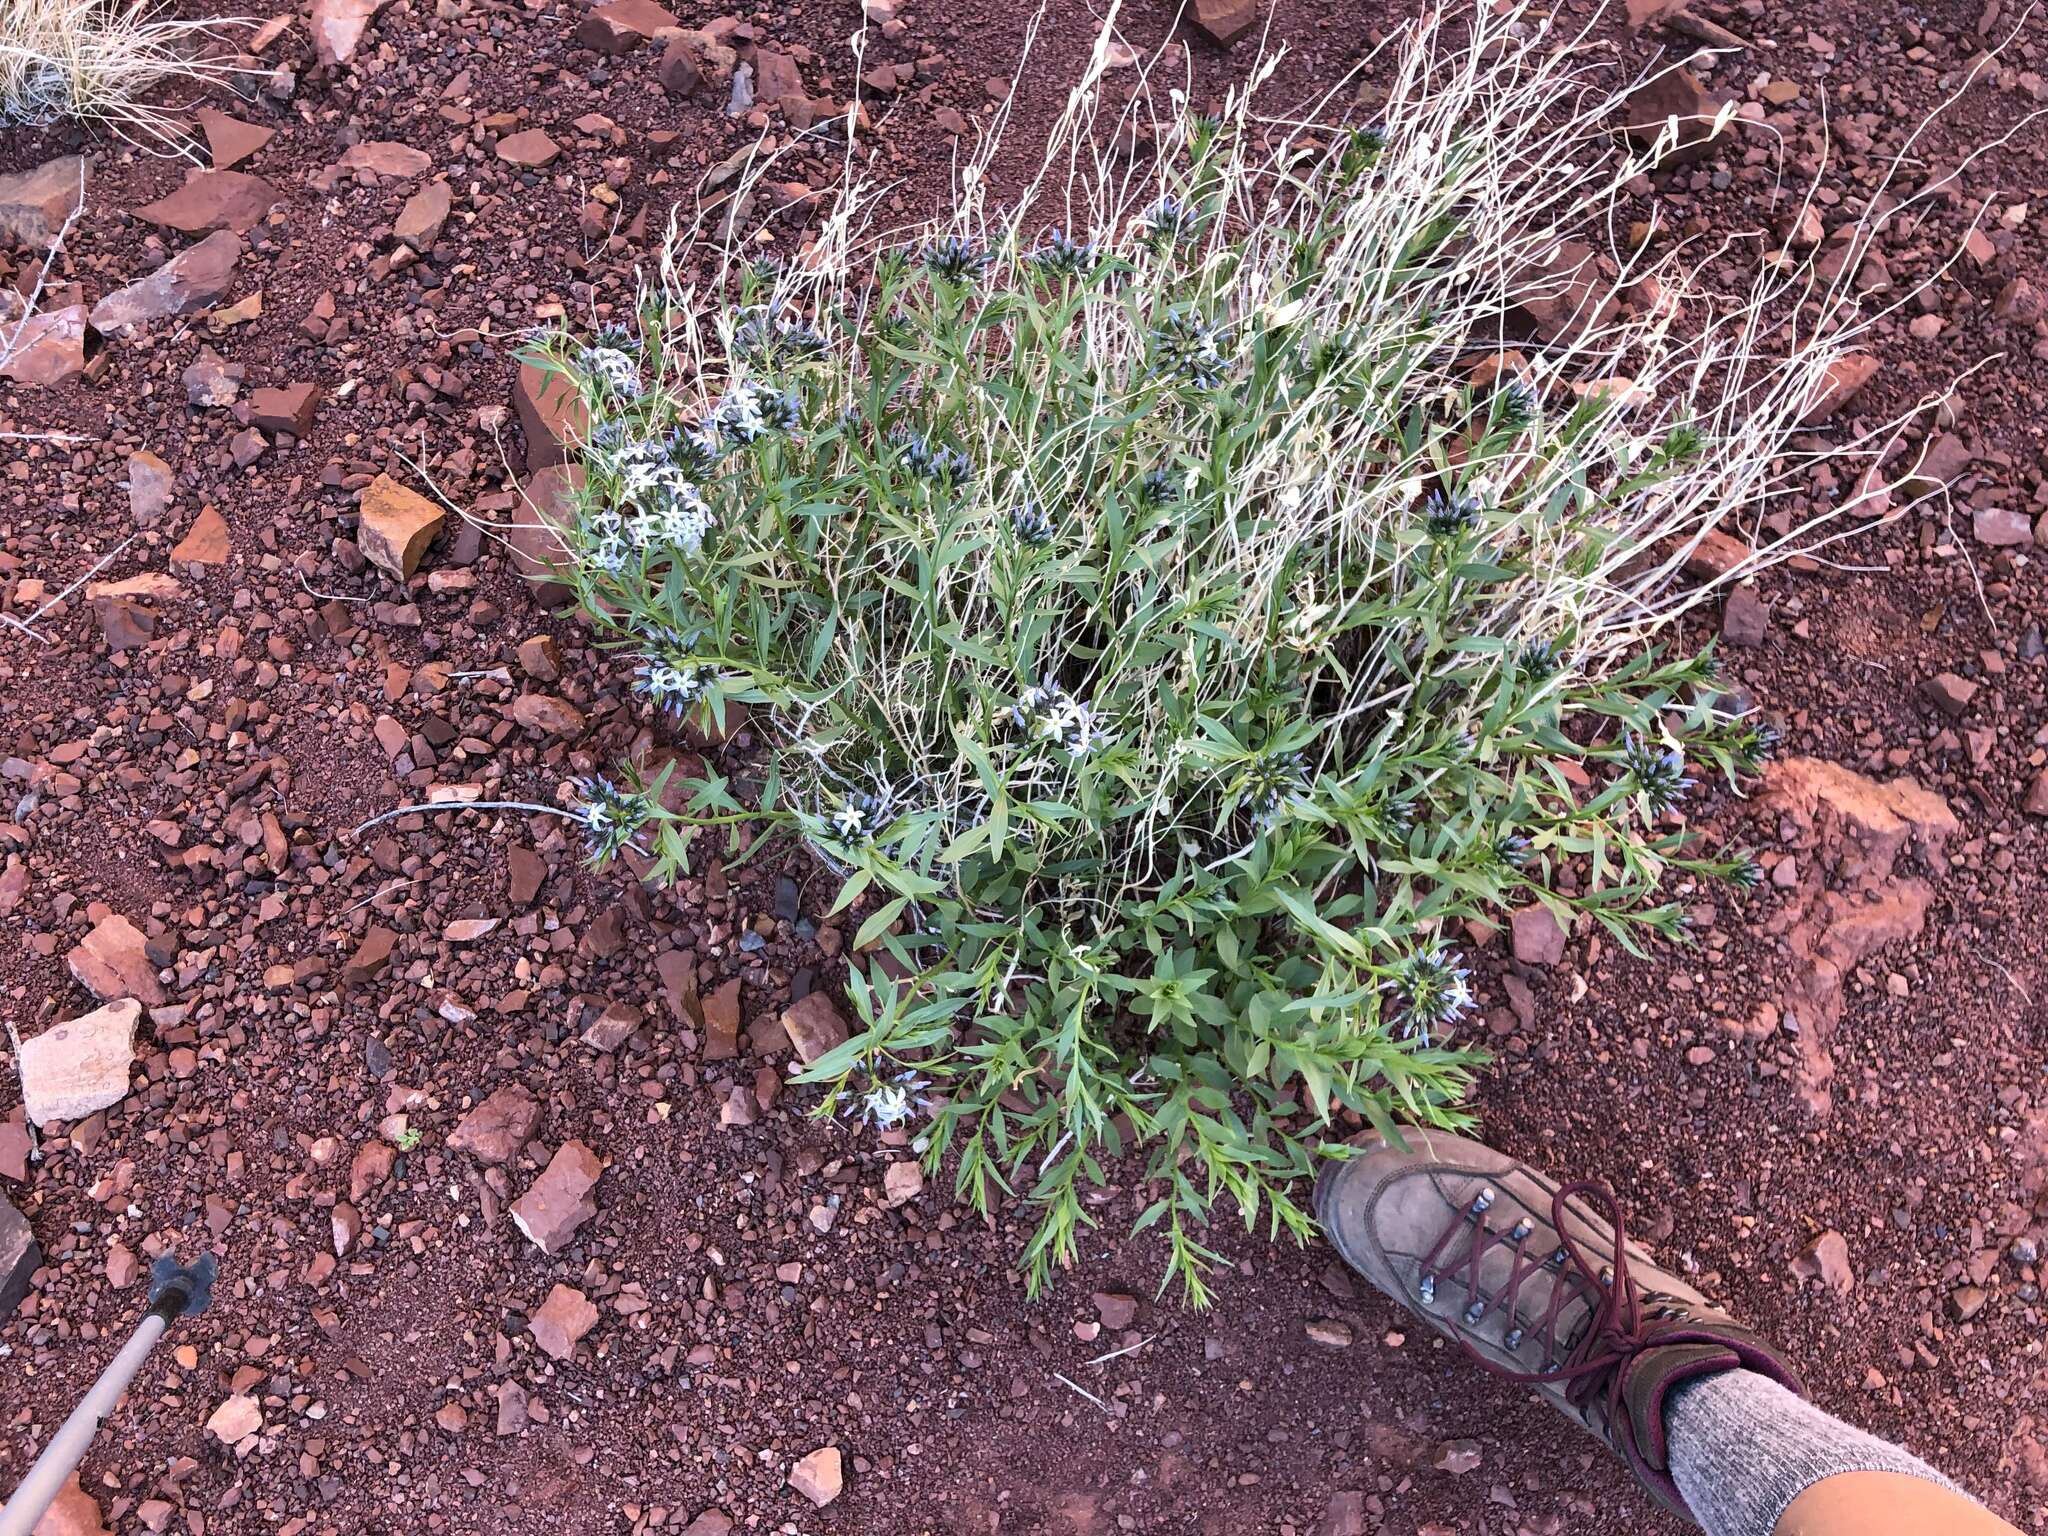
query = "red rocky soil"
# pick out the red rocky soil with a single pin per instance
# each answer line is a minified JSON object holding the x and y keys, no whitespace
{"x":380,"y":1076}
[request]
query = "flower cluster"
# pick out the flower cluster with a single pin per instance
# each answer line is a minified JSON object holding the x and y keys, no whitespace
{"x":1169,"y":221}
{"x":609,"y":363}
{"x":1537,"y":660}
{"x":1031,"y":523}
{"x":670,"y":677}
{"x":1517,"y":403}
{"x":1158,"y":488}
{"x":858,"y":819}
{"x":956,"y":259}
{"x":611,"y":815}
{"x":941,"y":465}
{"x":1191,"y":348}
{"x":750,"y":410}
{"x":889,"y":1106}
{"x":1658,"y":772}
{"x":1757,"y":745}
{"x":1272,"y":783}
{"x":1064,"y":256}
{"x":660,"y":505}
{"x":760,"y":335}
{"x":1049,"y":713}
{"x":1434,"y":989}
{"x":1446,"y":514}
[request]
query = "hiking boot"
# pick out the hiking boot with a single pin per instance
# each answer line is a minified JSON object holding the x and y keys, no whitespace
{"x":1537,"y":1283}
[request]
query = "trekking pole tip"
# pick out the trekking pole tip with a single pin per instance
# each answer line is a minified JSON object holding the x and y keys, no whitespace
{"x":181,"y":1290}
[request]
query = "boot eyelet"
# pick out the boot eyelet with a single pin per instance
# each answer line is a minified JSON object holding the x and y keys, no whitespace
{"x":1522,"y":1229}
{"x":1426,"y":1289}
{"x":1475,"y":1312}
{"x":1483,"y":1200}
{"x":1514,"y":1339}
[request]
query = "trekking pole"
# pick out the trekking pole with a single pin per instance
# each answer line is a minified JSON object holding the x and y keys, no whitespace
{"x":175,"y":1290}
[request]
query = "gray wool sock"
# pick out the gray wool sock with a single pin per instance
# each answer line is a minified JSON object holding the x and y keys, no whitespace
{"x":1742,"y":1448}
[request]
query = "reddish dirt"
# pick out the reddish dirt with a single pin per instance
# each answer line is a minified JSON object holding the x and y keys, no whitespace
{"x":142,"y":783}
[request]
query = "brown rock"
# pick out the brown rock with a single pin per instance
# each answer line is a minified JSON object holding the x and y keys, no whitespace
{"x":678,"y":972}
{"x":1457,"y":1457}
{"x":229,"y":140}
{"x":396,"y":526}
{"x":623,"y":25}
{"x":681,"y":70}
{"x":370,"y":1168}
{"x":722,"y":1022}
{"x":525,"y":873}
{"x":545,"y":713}
{"x":74,"y":1512}
{"x":1346,"y":1514}
{"x":125,"y":610}
{"x":1744,"y":618}
{"x":1676,"y":94}
{"x":531,"y":148}
{"x":452,"y":1417}
{"x":561,"y":1321}
{"x":713,"y":1522}
{"x":1224,"y":21}
{"x":819,"y":1476}
{"x":610,"y":1024}
{"x":81,"y":1066}
{"x":544,"y":507}
{"x":235,"y":1419}
{"x":190,"y":280}
{"x":1841,"y":383}
{"x":2037,"y":795}
{"x":123,"y":1268}
{"x":149,"y":487}
{"x":112,"y":963}
{"x":559,"y":1201}
{"x":15,"y":1146}
{"x":35,"y":204}
{"x":213,"y":200}
{"x":1717,"y":555}
{"x":1949,"y":693}
{"x":540,"y":658}
{"x":425,"y":213}
{"x":20,"y":1258}
{"x":386,"y":157}
{"x":496,"y":1130}
{"x":1116,"y":1310}
{"x":2002,"y":527}
{"x":1945,"y":460}
{"x":289,"y":409}
{"x":901,"y":1183}
{"x":552,"y":415}
{"x":371,"y":956}
{"x":512,"y":1414}
{"x":814,"y":1026}
{"x":1538,"y":937}
{"x":338,"y":27}
{"x":1565,"y":294}
{"x":775,"y":76}
{"x":1826,"y":1259}
{"x":205,"y":542}
{"x":47,"y":348}
{"x":738,"y":1109}
{"x":211,"y":381}
{"x":2020,"y":302}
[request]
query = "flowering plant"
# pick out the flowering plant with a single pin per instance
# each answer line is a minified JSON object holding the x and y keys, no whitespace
{"x":1178,"y":627}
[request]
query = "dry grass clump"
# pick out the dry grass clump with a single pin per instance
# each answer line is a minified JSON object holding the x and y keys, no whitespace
{"x":96,"y":60}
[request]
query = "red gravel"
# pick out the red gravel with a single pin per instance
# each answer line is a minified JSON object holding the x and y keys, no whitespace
{"x":756,"y":1299}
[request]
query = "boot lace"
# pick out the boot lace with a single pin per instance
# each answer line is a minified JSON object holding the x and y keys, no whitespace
{"x":1586,"y":1364}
